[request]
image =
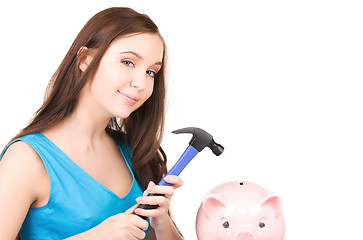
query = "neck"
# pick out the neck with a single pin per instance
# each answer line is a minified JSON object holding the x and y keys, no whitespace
{"x":86,"y":124}
{"x":84,"y":128}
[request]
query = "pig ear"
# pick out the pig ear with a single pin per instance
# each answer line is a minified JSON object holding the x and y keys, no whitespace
{"x":273,"y":201}
{"x":212,"y":204}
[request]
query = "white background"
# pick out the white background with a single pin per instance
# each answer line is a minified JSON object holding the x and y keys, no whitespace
{"x":278,"y":83}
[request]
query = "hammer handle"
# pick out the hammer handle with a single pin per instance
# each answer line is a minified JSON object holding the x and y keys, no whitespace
{"x":183,"y":161}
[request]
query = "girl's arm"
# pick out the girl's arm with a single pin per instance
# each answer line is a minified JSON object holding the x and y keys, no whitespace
{"x":169,"y":231}
{"x":24,"y":183}
{"x":21,"y":180}
{"x":163,"y":228}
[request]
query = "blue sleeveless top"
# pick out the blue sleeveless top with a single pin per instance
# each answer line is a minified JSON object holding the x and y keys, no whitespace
{"x":77,"y":202}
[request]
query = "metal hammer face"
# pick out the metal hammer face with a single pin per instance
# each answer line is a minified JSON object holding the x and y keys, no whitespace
{"x":201,"y":139}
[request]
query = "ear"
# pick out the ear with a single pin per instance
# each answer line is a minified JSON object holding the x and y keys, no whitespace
{"x":84,"y":57}
{"x":274,"y":202}
{"x":212,"y":204}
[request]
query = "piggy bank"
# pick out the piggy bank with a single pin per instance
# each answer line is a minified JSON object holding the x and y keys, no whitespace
{"x":240,"y":211}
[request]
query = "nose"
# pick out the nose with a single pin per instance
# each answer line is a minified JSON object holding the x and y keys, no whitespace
{"x":245,"y":236}
{"x":138,"y":80}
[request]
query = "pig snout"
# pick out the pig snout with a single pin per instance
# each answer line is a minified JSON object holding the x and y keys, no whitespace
{"x":245,"y":236}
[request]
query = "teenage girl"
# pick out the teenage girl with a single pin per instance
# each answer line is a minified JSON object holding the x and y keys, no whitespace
{"x":92,"y":152}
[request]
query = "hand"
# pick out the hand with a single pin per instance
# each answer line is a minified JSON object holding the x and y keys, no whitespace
{"x":123,"y":226}
{"x":159,"y":215}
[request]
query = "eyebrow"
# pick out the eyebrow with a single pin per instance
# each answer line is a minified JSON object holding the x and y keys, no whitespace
{"x":139,"y":56}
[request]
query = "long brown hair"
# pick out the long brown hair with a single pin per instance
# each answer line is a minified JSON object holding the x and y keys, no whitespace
{"x":143,"y":129}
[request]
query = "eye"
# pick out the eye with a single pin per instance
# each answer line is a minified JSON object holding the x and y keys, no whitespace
{"x":151,"y":73}
{"x":128,"y":63}
{"x":225,"y":223}
{"x":262,"y":223}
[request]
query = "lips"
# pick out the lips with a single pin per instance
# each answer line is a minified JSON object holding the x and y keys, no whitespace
{"x":129,"y":98}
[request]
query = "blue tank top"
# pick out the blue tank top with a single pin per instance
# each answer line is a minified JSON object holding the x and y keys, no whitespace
{"x":77,"y":202}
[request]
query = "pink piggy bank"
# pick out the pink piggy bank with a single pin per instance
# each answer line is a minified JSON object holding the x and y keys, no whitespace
{"x":240,"y":211}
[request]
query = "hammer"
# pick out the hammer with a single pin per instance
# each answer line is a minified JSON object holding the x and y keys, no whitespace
{"x":199,"y":141}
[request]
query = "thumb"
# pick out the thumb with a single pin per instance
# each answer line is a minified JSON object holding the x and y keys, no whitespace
{"x":147,"y":191}
{"x":132,"y":209}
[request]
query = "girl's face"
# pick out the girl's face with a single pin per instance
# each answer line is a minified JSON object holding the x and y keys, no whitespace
{"x":124,"y":79}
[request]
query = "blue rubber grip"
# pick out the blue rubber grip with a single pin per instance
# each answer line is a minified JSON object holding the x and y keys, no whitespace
{"x":183,"y":161}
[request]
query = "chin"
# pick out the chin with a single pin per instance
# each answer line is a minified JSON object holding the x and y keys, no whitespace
{"x":123,"y":114}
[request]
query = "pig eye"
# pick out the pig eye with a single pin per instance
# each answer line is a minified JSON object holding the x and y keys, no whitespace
{"x":225,"y":223}
{"x":262,"y":223}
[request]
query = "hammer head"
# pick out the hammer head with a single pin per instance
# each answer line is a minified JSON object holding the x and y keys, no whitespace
{"x":201,"y":139}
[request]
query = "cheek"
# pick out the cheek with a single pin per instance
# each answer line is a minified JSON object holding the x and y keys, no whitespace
{"x":149,"y":90}
{"x":146,"y":94}
{"x":110,"y":73}
{"x":99,"y":88}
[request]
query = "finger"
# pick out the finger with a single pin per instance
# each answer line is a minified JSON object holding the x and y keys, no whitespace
{"x":152,"y":188}
{"x":139,"y":222}
{"x":138,"y":233}
{"x":132,"y":209}
{"x":149,"y":186}
{"x":159,"y":211}
{"x":174,"y":180}
{"x":160,"y":201}
{"x":150,"y":212}
{"x":167,"y":191}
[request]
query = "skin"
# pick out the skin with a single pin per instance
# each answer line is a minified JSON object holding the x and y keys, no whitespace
{"x":123,"y":82}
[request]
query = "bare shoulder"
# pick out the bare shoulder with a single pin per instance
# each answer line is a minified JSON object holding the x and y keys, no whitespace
{"x":19,"y":150}
{"x":22,"y":166}
{"x":23,"y":180}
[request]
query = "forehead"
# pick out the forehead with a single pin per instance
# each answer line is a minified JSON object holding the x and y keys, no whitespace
{"x":148,"y":45}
